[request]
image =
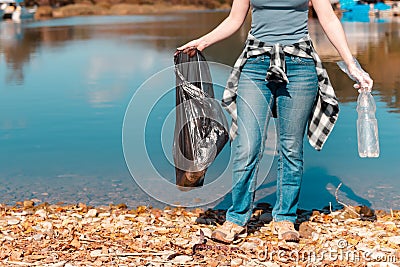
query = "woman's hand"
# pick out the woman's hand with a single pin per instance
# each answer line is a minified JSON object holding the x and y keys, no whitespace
{"x":363,"y":79}
{"x":198,"y":43}
{"x":190,"y":48}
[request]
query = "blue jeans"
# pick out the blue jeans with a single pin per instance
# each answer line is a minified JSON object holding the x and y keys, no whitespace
{"x":293,"y":103}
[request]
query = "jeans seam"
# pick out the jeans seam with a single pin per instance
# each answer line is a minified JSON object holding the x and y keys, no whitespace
{"x":261,"y":151}
{"x":280,"y":177}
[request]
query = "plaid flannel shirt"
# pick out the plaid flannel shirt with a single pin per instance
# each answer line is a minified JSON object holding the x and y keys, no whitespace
{"x":325,"y":109}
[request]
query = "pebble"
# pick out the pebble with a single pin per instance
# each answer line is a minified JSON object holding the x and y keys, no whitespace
{"x":124,"y":231}
{"x":305,"y":230}
{"x":9,"y":238}
{"x":236,"y":262}
{"x":266,"y":217}
{"x":248,"y":246}
{"x":59,"y":264}
{"x":37,"y":237}
{"x":182,"y":259}
{"x":19,"y":214}
{"x":42,"y":213}
{"x":270,"y":264}
{"x":394,"y":240}
{"x":315,"y":236}
{"x":47,"y":226}
{"x":91,"y":213}
{"x":95,"y":253}
{"x":77,"y":215}
{"x":28,"y":204}
{"x":13,"y":221}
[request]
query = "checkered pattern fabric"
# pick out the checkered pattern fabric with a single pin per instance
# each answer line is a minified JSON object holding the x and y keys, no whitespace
{"x":325,"y":110}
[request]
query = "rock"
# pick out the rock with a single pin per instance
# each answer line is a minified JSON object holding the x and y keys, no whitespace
{"x":60,"y":264}
{"x":76,"y":215}
{"x":13,"y":221}
{"x":248,"y":246}
{"x":367,"y":214}
{"x":75,"y":243}
{"x":394,"y":240}
{"x":95,"y":253}
{"x":124,"y":231}
{"x":270,"y":264}
{"x":28,"y":204}
{"x":349,"y":213}
{"x":47,"y":226}
{"x":19,"y":214}
{"x":181,"y":259}
{"x":314,"y":236}
{"x":9,"y":238}
{"x":37,"y":237}
{"x":16,"y":255}
{"x":266,"y":217}
{"x":305,"y":230}
{"x":236,"y":262}
{"x":121,"y":206}
{"x":91,"y":213}
{"x":42,"y":213}
{"x":181,"y":241}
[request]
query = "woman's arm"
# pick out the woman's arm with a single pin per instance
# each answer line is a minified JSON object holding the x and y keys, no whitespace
{"x":225,"y":29}
{"x":334,"y":30}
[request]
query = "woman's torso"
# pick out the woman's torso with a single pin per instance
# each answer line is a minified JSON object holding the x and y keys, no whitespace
{"x":279,"y":21}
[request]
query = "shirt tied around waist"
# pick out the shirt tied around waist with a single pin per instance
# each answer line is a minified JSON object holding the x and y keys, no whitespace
{"x":325,"y":109}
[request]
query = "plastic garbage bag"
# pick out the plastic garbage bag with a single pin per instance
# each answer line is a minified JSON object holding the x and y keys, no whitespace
{"x":201,"y":126}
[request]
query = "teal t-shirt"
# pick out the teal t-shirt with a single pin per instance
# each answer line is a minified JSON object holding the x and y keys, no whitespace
{"x":279,"y":21}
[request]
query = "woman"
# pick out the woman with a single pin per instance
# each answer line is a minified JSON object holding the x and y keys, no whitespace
{"x":278,"y":74}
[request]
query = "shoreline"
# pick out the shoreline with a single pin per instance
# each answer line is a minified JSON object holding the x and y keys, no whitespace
{"x":92,"y":7}
{"x":81,"y":235}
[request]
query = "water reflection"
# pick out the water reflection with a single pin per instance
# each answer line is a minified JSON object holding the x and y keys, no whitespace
{"x":375,"y":44}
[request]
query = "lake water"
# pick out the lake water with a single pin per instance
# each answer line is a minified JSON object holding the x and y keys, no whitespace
{"x":65,"y":86}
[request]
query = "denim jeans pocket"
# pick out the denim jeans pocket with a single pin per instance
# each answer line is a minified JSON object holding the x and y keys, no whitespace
{"x":302,"y":60}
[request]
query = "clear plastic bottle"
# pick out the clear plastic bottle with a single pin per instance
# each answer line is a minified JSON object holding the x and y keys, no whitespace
{"x":367,"y":126}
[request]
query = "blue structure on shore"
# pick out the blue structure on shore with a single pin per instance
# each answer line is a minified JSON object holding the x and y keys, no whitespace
{"x":354,"y":10}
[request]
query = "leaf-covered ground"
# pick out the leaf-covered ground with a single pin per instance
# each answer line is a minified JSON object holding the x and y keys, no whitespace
{"x":78,"y":235}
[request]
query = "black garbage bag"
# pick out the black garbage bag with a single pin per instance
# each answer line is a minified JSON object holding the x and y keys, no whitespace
{"x":201,"y":127}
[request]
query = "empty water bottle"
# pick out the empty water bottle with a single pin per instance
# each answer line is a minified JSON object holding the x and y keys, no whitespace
{"x":367,"y":126}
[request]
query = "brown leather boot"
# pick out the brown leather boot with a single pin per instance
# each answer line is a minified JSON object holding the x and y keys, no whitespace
{"x":228,"y":232}
{"x":285,"y":231}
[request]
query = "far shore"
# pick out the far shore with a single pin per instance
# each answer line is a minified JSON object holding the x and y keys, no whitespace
{"x":111,"y":7}
{"x":103,"y":8}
